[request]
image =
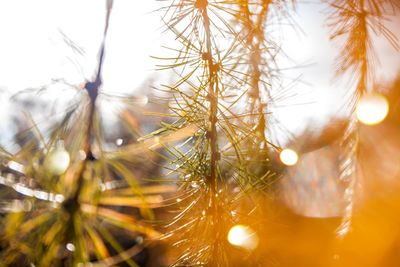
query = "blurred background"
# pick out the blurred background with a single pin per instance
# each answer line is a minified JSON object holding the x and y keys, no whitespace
{"x":48,"y":49}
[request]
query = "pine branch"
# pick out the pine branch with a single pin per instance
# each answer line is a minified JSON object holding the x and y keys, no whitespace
{"x":72,"y":204}
{"x":356,"y":19}
{"x":255,"y":41}
{"x":205,"y":95}
{"x":263,"y":75}
{"x":61,"y":224}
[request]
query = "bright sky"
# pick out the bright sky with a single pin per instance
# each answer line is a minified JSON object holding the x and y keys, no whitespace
{"x":32,"y":52}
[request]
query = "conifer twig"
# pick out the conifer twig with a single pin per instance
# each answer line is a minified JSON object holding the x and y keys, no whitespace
{"x":355,"y":19}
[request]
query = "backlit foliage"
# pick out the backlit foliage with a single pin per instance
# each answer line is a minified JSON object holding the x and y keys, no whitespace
{"x":220,"y":165}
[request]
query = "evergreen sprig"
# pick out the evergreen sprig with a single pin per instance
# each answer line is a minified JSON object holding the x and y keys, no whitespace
{"x":357,"y":21}
{"x":216,"y":184}
{"x":71,"y":217}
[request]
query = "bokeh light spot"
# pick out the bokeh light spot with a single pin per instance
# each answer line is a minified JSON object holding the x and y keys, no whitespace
{"x":289,"y":157}
{"x":243,"y":236}
{"x":58,"y":161}
{"x":372,"y":109}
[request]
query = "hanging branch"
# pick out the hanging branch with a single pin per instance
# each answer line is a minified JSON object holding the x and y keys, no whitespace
{"x":68,"y":217}
{"x":72,"y":204}
{"x":263,"y":75}
{"x":213,"y":97}
{"x":356,"y":20}
{"x":255,"y":40}
{"x":213,"y":177}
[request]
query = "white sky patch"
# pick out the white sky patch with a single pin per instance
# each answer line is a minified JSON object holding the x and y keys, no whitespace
{"x":33,"y":51}
{"x":320,"y":94}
